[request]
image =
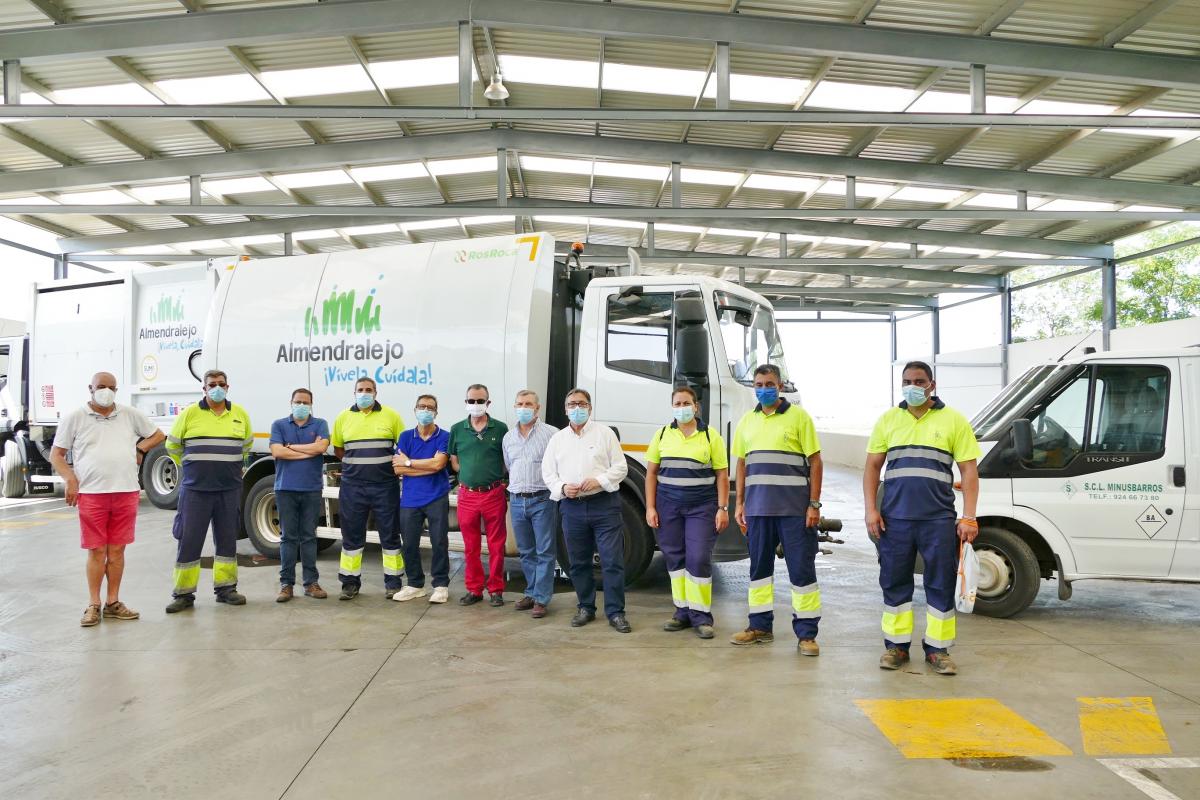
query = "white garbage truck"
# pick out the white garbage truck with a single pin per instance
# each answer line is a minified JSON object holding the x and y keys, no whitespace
{"x":1091,"y":469}
{"x":501,"y":311}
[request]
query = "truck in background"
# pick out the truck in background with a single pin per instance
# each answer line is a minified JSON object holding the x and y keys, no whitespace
{"x":146,"y":327}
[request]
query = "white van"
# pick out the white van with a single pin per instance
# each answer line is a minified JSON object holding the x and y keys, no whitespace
{"x":1085,"y":475}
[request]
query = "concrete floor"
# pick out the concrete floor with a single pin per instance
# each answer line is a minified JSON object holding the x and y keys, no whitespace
{"x":380,"y":699}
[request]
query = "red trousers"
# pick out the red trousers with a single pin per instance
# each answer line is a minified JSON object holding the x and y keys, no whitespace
{"x":490,"y":509}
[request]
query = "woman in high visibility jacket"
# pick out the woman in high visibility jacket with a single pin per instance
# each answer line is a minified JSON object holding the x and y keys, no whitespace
{"x":687,"y":496}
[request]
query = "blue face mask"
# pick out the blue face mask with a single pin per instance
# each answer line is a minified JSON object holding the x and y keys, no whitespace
{"x":301,"y":410}
{"x":425,"y":416}
{"x":683,"y":414}
{"x":364,"y":400}
{"x":913,"y":395}
{"x":216,"y":394}
{"x":525,"y":415}
{"x":578,"y":416}
{"x":767,"y":395}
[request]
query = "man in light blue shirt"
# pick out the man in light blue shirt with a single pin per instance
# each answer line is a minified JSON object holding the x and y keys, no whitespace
{"x":534,"y":516}
{"x":298,"y":443}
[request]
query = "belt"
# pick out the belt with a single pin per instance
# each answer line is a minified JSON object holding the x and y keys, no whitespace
{"x":538,"y":493}
{"x":487,"y":488}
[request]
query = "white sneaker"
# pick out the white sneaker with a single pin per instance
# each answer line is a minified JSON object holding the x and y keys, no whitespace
{"x":440,"y":594}
{"x":408,"y":593}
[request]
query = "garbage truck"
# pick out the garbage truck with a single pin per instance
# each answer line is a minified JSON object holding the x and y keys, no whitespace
{"x":500,"y":311}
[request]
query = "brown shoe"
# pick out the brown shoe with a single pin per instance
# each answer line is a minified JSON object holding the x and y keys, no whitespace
{"x":809,"y":647}
{"x":941,"y":663}
{"x":524,"y":604}
{"x":538,"y":612}
{"x":752,"y":636}
{"x":285,"y":593}
{"x":315,"y":590}
{"x":91,"y":616}
{"x":119,"y":610}
{"x":894,"y":658}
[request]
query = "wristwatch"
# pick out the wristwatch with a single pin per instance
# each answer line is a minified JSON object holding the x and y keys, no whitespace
{"x":408,"y":462}
{"x":723,"y":508}
{"x":814,"y":503}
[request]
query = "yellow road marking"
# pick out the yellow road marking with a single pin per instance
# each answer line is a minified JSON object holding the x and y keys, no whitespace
{"x":1121,"y":726}
{"x":28,"y":523}
{"x":974,"y":728}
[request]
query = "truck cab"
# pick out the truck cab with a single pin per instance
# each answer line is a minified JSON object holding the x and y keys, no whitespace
{"x":1085,"y":475}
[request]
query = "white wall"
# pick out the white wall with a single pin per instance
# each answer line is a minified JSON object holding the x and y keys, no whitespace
{"x":19,"y":270}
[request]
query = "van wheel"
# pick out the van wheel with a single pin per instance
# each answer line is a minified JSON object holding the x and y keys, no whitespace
{"x":261,"y":518}
{"x":160,"y":478}
{"x":1009,"y":577}
{"x":639,"y":542}
{"x":12,"y":472}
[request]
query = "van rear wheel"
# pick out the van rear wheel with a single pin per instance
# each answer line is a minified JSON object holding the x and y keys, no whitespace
{"x":261,"y":518}
{"x":1009,"y":576}
{"x":639,"y":542}
{"x":12,"y":472}
{"x":160,"y":478}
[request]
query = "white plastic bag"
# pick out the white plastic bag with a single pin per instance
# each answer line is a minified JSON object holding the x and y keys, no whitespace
{"x":968,"y":578}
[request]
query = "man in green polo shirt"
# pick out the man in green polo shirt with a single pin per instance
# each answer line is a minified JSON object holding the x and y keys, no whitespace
{"x":477,"y":455}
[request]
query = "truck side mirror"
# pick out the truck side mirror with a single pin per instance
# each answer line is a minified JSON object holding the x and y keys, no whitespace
{"x":1022,"y":433}
{"x":691,"y":345}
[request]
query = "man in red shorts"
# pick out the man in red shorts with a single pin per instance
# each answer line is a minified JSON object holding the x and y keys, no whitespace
{"x":106,"y":442}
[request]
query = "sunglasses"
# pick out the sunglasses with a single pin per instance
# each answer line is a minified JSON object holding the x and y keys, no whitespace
{"x":215,"y":385}
{"x":471,"y":402}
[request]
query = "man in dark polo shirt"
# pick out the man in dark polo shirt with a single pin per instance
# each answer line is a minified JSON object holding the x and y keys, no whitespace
{"x":298,"y":443}
{"x":477,"y":455}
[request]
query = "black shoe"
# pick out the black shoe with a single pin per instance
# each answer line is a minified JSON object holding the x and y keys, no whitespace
{"x":469,"y":599}
{"x":349,"y":592}
{"x":582,"y":617}
{"x":496,"y":600}
{"x":676,"y":624}
{"x":232,"y":598}
{"x":181,"y":604}
{"x":619,"y":623}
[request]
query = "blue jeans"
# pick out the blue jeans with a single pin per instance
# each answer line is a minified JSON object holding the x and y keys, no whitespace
{"x":534,"y":522}
{"x":412,"y":522}
{"x":593,"y":524}
{"x":298,"y":514}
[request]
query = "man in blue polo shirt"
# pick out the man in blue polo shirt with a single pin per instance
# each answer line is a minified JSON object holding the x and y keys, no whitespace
{"x":422,"y":463}
{"x":298,"y":443}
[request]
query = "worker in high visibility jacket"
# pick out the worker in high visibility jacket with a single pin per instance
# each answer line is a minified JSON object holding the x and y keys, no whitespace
{"x":779,"y":474}
{"x":364,"y":437}
{"x":210,"y":441}
{"x":917,"y":446}
{"x":687,"y":503}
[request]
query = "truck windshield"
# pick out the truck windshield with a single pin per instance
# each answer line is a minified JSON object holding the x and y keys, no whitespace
{"x":989,"y":423}
{"x":750,"y":336}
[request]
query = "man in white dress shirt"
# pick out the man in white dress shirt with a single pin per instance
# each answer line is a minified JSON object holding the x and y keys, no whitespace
{"x":583,"y":467}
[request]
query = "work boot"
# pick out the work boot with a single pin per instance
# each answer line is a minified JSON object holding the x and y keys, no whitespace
{"x":619,"y":623}
{"x":390,"y":594}
{"x":894,"y":658}
{"x":285,"y":593}
{"x":752,"y":636}
{"x":808,"y":647}
{"x":181,"y":603}
{"x":349,"y":592}
{"x":524,"y":604}
{"x":538,"y":612}
{"x":470,"y":599}
{"x":232,"y":598}
{"x":705,"y":631}
{"x":942,"y":663}
{"x":495,"y":600}
{"x":582,"y":617}
{"x":91,"y":616}
{"x":315,"y":590}
{"x":676,"y":624}
{"x":118,"y":610}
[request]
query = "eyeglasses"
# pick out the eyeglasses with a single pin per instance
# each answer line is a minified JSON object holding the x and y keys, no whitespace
{"x":426,"y":408}
{"x":471,"y":402}
{"x":579,"y":404}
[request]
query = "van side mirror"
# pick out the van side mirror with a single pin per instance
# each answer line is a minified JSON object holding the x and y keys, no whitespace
{"x":1022,"y":433}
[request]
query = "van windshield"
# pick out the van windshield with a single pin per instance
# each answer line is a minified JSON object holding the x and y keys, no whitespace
{"x":990,"y":422}
{"x":750,"y":336}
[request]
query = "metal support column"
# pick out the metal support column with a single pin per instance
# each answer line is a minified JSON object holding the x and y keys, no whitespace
{"x":935,"y":323}
{"x":978,"y":89}
{"x":1022,"y":200}
{"x":1005,"y":328}
{"x":1108,"y":300}
{"x":913,"y":250}
{"x":289,"y":244}
{"x":12,"y":83}
{"x":465,"y":63}
{"x":501,"y":177}
{"x":851,"y":192}
{"x":722,"y":75}
{"x":194,"y":190}
{"x":892,"y":362}
{"x":60,"y":267}
{"x":741,"y":276}
{"x":676,"y":189}
{"x":650,"y":239}
{"x":783,"y":245}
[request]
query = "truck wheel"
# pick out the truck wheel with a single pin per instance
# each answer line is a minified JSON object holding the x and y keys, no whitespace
{"x":160,"y":478}
{"x":12,"y":473}
{"x":261,"y":518}
{"x":639,"y":542}
{"x":1009,"y":577}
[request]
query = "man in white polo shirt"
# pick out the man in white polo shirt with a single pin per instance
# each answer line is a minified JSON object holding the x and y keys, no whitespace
{"x":106,"y":442}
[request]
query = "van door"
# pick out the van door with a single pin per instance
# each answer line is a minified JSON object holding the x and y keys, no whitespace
{"x":1103,"y":444}
{"x":1187,"y":471}
{"x":12,"y":382}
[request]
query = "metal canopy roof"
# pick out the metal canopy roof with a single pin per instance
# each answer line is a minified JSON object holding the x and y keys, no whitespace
{"x":843,"y":146}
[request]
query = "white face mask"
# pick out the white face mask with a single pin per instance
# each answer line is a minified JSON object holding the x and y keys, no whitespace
{"x":104,"y":397}
{"x":477,"y":410}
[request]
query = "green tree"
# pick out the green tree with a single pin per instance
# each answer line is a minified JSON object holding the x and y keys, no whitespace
{"x":1161,"y":287}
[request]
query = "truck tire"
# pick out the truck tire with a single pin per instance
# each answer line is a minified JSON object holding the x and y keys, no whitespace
{"x":261,"y":518}
{"x":1009,"y":576}
{"x":160,"y":478}
{"x":639,"y":542}
{"x":12,"y":472}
